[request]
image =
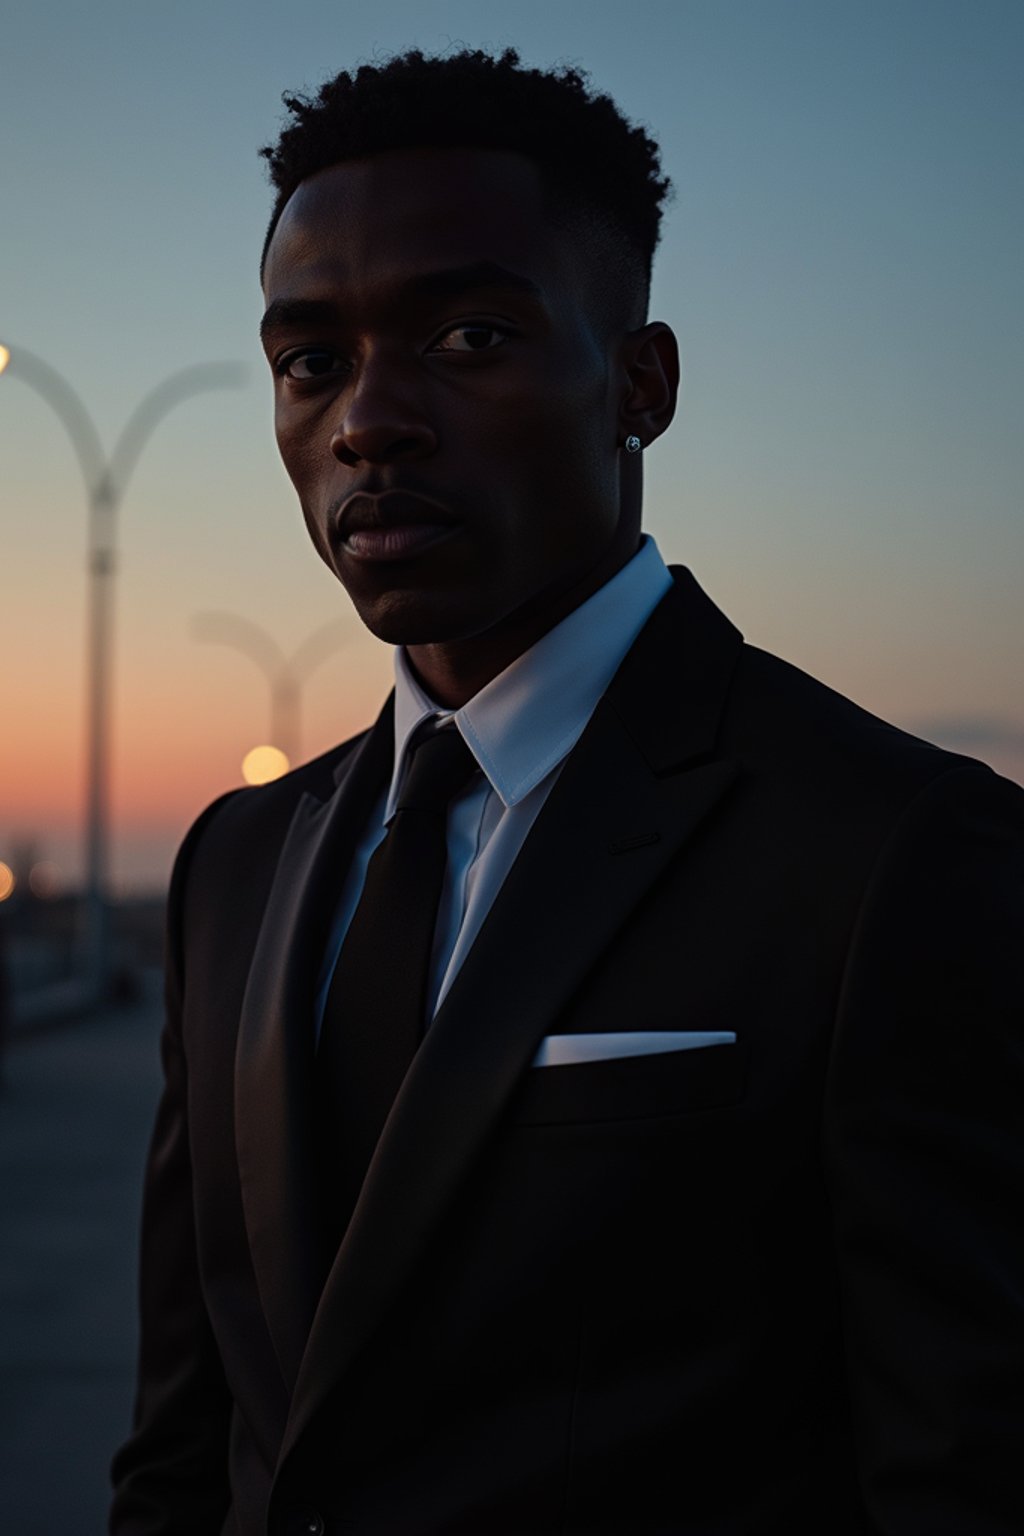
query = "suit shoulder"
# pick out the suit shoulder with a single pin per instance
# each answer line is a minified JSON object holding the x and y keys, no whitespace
{"x":781,"y":718}
{"x":256,"y":818}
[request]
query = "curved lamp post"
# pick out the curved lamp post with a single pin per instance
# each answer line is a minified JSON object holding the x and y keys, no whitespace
{"x":105,"y":482}
{"x":285,"y":674}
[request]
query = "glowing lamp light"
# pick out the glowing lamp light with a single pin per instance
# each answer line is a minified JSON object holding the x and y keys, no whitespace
{"x":5,"y":357}
{"x":263,"y":764}
{"x":7,"y":881}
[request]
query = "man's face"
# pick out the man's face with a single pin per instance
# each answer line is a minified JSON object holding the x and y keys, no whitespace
{"x":446,"y":399}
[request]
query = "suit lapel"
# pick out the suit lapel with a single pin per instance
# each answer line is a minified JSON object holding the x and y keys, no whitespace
{"x":632,"y":792}
{"x":274,"y":1056}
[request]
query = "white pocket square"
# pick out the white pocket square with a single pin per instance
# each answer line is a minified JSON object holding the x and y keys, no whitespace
{"x":568,"y":1050}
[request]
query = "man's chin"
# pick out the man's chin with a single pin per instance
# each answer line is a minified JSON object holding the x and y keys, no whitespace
{"x":414,"y":618}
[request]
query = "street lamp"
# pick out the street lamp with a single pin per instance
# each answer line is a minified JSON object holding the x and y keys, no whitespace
{"x":105,"y":483}
{"x":285,"y":674}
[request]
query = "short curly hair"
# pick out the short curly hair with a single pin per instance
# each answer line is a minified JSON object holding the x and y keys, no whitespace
{"x":598,"y":169}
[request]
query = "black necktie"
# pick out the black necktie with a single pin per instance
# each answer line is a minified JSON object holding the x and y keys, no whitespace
{"x":376,"y":1003}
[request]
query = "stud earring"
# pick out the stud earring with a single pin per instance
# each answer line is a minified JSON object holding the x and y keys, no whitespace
{"x":633,"y":443}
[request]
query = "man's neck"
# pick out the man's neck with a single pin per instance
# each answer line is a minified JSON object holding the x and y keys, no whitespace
{"x":453,"y":672}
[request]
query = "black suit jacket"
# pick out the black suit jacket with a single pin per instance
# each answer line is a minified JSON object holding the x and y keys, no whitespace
{"x":775,"y":1287}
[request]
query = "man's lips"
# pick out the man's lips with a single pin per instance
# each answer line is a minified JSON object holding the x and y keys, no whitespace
{"x":393,"y":543}
{"x":393,"y":525}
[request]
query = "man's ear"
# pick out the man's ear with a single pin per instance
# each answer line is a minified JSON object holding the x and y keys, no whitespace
{"x":651,"y":360}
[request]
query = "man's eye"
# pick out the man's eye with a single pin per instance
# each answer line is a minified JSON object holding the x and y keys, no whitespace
{"x":312,"y":364}
{"x":470,"y":338}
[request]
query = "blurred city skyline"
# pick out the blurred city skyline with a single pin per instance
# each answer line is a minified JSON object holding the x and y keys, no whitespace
{"x":841,"y":262}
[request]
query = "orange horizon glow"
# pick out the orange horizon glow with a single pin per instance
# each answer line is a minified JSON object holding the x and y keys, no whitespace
{"x":178,"y":741}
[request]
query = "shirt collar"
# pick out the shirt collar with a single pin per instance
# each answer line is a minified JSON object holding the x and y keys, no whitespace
{"x":528,"y":718}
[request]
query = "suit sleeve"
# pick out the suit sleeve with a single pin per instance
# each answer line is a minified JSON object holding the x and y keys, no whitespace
{"x":924,"y":1139}
{"x":170,"y":1477}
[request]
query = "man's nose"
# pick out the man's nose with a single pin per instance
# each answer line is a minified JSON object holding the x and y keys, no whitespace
{"x":381,"y":418}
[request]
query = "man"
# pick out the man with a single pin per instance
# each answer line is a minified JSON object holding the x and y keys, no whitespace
{"x":641,"y":1153}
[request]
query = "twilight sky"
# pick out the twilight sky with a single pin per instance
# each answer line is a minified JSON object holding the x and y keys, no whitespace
{"x":841,"y":262}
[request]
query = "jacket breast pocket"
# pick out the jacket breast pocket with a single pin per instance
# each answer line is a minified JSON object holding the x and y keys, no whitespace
{"x":633,"y":1087}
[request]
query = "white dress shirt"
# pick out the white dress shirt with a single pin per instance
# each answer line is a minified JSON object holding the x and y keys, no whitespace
{"x":520,"y":728}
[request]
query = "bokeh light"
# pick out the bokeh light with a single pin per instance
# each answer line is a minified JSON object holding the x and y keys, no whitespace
{"x":5,"y":357}
{"x":45,"y":880}
{"x":7,"y":880}
{"x":263,"y":764}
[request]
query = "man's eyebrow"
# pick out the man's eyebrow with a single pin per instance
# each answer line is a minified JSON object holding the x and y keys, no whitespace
{"x":285,"y":312}
{"x":447,"y":283}
{"x":453,"y":281}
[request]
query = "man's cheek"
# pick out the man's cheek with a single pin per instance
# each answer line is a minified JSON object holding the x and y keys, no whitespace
{"x":315,"y":529}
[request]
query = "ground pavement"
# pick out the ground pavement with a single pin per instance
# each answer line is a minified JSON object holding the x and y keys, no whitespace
{"x":75,"y":1110}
